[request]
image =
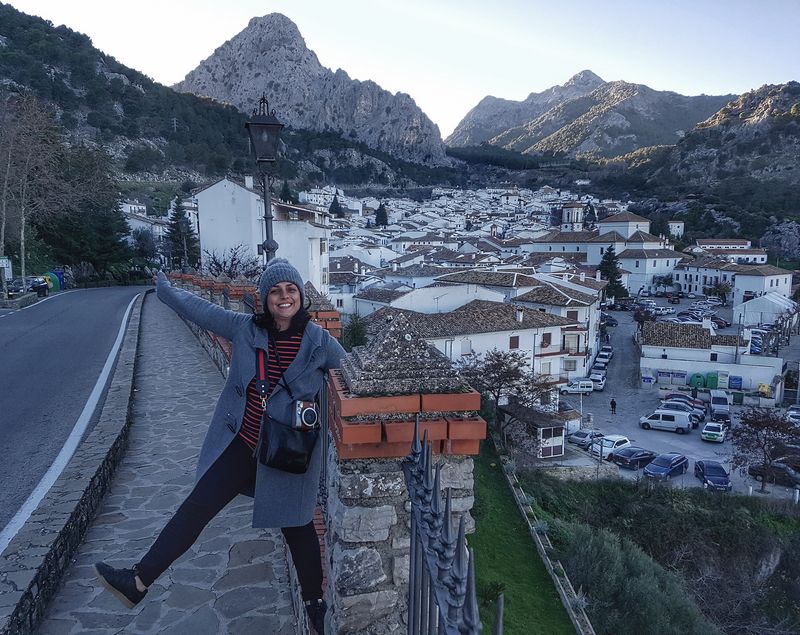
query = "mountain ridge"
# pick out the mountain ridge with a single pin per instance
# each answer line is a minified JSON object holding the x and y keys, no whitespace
{"x":586,"y":115}
{"x":271,"y":56}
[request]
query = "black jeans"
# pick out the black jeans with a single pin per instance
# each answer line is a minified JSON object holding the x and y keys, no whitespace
{"x":230,"y":473}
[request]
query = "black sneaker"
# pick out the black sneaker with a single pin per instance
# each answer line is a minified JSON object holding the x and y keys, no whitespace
{"x":316,"y":610}
{"x":121,"y":582}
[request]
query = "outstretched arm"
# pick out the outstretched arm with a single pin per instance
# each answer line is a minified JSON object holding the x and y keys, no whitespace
{"x":195,"y":309}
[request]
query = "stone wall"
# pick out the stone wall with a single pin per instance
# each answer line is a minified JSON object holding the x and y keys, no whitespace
{"x":368,"y":539}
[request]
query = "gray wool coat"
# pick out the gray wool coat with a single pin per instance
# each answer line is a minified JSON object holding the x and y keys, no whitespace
{"x":281,"y":499}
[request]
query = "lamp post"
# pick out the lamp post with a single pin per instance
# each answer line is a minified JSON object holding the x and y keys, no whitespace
{"x":183,"y":224}
{"x":265,"y":130}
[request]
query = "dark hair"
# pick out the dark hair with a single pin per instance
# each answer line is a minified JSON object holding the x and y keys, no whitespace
{"x":299,"y":320}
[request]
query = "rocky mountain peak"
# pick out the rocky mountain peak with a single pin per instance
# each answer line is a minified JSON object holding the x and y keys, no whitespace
{"x":585,"y":79}
{"x":270,"y":56}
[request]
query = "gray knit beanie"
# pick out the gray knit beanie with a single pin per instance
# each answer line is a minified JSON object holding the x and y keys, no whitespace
{"x":279,"y":270}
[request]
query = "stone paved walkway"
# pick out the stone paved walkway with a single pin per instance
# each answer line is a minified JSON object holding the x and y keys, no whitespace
{"x":235,"y":578}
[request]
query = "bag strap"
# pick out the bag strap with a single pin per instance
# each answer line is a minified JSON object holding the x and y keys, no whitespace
{"x":262,"y":382}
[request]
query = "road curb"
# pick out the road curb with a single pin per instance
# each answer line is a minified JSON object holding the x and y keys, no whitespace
{"x":32,"y":565}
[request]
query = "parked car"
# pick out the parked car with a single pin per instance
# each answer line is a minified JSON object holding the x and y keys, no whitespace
{"x":599,"y":381}
{"x":603,"y":357}
{"x":632,"y":458}
{"x":665,"y":466}
{"x":670,"y":420}
{"x":577,"y":386}
{"x":721,"y":417}
{"x":713,"y":476}
{"x":714,"y":301}
{"x":607,"y":445}
{"x":584,"y":438}
{"x":719,"y":322}
{"x":644,"y":293}
{"x":778,"y":473}
{"x":607,"y":320}
{"x":679,"y":404}
{"x":682,"y":396}
{"x":600,"y":365}
{"x":607,"y":348}
{"x":32,"y":284}
{"x":674,"y":300}
{"x":714,"y":432}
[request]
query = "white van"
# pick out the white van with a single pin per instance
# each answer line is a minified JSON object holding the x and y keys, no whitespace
{"x":576,"y":386}
{"x":671,"y":420}
{"x":720,"y":401}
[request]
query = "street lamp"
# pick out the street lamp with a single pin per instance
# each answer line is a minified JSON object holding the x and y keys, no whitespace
{"x":265,"y":130}
{"x":183,"y":225}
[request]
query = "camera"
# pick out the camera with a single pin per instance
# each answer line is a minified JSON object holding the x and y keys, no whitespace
{"x":305,"y":415}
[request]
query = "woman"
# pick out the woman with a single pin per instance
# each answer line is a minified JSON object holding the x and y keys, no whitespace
{"x":298,"y":353}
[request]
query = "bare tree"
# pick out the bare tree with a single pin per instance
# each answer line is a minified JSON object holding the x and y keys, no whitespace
{"x":763,"y":436}
{"x":234,"y":262}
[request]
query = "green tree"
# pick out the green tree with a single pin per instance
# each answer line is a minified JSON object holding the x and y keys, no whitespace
{"x":354,"y":333}
{"x":286,"y":193}
{"x":335,"y":209}
{"x":145,"y":251}
{"x":720,"y":290}
{"x":184,"y":246}
{"x":381,"y":217}
{"x":760,"y":438}
{"x":609,"y":270}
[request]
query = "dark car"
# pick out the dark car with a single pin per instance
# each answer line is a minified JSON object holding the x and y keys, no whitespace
{"x":674,"y":299}
{"x":607,"y":320}
{"x":32,"y":283}
{"x":583,"y":438}
{"x":682,"y":396}
{"x":778,"y":473}
{"x":632,"y":458}
{"x":719,"y":322}
{"x":713,"y":476}
{"x":665,"y":466}
{"x":721,"y":417}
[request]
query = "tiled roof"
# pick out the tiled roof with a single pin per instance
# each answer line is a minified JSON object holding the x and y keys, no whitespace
{"x":673,"y":335}
{"x":721,"y":241}
{"x":479,"y":316}
{"x":761,"y":270}
{"x":318,"y":301}
{"x":343,"y":277}
{"x":557,"y":236}
{"x":649,"y":253}
{"x":416,"y":271}
{"x":531,"y":416}
{"x":591,"y":283}
{"x":737,"y":268}
{"x":608,"y":237}
{"x":624,"y":217}
{"x":642,"y":237}
{"x":379,"y":294}
{"x":491,"y":278}
{"x":557,"y":295}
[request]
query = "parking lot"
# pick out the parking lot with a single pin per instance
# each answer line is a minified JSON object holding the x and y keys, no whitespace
{"x":635,"y":400}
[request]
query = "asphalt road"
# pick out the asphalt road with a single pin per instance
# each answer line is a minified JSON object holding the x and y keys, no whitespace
{"x":51,"y":355}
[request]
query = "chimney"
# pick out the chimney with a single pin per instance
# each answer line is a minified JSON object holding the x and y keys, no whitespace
{"x":394,"y":266}
{"x":519,"y":315}
{"x":248,"y":182}
{"x":583,"y":276}
{"x":597,"y":275}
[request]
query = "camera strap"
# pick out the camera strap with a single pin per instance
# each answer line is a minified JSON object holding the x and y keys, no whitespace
{"x":262,"y":382}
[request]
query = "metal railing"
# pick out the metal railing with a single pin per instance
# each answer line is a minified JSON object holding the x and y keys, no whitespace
{"x":442,"y":599}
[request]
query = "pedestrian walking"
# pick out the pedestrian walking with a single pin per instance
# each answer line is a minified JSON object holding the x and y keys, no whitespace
{"x":613,"y":406}
{"x":279,"y":360}
{"x":608,"y":338}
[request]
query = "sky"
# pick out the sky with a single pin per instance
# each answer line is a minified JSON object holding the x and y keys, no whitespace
{"x":449,"y":54}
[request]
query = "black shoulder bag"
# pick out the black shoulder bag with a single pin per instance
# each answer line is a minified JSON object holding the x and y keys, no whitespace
{"x":285,"y":445}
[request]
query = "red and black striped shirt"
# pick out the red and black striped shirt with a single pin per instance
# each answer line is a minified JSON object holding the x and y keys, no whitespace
{"x":282,"y":351}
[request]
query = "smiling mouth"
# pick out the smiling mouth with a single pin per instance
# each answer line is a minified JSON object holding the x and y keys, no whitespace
{"x":285,"y":306}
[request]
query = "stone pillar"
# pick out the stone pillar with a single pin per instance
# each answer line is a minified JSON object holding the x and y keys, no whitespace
{"x":368,"y":512}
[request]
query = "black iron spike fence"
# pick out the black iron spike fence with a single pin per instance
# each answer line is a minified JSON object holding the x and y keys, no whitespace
{"x":442,"y":598}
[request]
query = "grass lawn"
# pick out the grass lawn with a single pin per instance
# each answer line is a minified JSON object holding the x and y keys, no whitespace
{"x":505,"y":555}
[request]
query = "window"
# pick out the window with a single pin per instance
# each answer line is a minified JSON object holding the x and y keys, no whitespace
{"x":323,"y":245}
{"x":547,"y":339}
{"x":324,"y":275}
{"x":466,"y":347}
{"x":713,"y":357}
{"x":637,"y":264}
{"x":547,"y":433}
{"x":572,"y":315}
{"x":570,"y":364}
{"x":547,"y":451}
{"x":602,"y":250}
{"x":544,"y":369}
{"x":513,"y":342}
{"x":339,"y":303}
{"x":667,"y":417}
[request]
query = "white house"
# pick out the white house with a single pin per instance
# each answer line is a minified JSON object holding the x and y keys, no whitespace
{"x":230,"y":214}
{"x":672,"y":353}
{"x":676,"y":228}
{"x":625,"y":223}
{"x":480,"y":326}
{"x":764,"y":309}
{"x":756,"y":280}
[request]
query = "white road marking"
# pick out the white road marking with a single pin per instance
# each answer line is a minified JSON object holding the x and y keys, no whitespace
{"x":71,"y":444}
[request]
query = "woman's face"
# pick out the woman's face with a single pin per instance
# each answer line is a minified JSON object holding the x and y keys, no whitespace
{"x":283,"y":301}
